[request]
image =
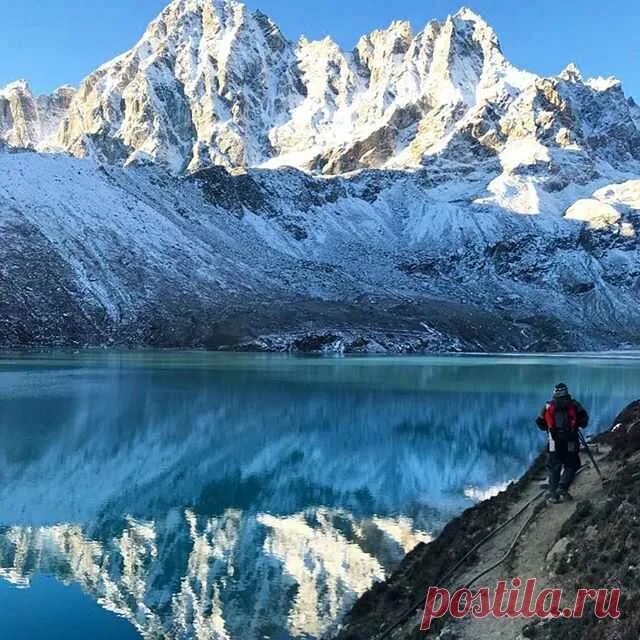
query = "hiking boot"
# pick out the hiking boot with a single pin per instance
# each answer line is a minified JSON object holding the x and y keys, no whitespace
{"x":565,"y":496}
{"x":552,"y":497}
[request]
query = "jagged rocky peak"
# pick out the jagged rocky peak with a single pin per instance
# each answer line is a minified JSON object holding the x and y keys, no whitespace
{"x":27,"y":121}
{"x":466,"y":22}
{"x":405,"y":95}
{"x":379,"y":47}
{"x":212,"y":83}
{"x":203,"y":86}
{"x":571,"y":73}
{"x":18,"y":115}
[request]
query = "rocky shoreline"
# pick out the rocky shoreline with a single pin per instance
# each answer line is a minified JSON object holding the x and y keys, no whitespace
{"x":589,"y":543}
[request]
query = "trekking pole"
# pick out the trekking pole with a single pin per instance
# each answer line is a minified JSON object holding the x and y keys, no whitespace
{"x":586,"y":446}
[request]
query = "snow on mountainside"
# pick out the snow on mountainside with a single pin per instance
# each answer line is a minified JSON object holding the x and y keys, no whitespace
{"x":97,"y":254}
{"x":398,"y":228}
{"x":211,"y":83}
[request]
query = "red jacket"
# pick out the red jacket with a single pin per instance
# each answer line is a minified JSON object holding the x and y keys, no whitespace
{"x":577,"y":417}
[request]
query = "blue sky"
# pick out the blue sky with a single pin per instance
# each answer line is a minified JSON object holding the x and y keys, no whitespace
{"x":54,"y":42}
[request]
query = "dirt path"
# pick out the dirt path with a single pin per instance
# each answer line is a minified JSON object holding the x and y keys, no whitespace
{"x":533,"y":557}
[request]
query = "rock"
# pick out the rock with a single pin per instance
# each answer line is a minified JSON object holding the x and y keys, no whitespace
{"x":630,"y":542}
{"x":448,"y":634}
{"x":558,"y":552}
{"x":27,"y":121}
{"x":591,"y":532}
{"x":625,"y":510}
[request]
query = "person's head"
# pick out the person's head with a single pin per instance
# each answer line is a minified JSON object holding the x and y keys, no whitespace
{"x":560,"y":391}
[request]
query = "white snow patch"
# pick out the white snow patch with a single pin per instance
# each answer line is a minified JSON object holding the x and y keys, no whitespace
{"x":478,"y":494}
{"x":599,"y":215}
{"x":626,"y":194}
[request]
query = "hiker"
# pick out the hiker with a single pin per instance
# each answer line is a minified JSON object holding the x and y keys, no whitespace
{"x":561,"y":418}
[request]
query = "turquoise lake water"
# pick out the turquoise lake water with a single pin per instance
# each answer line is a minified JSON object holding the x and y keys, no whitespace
{"x":234,"y":496}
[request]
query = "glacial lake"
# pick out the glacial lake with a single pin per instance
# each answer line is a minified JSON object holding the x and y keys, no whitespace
{"x":244,"y":497}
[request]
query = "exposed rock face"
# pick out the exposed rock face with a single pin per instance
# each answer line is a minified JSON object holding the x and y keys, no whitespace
{"x":204,"y":86}
{"x":27,"y":121}
{"x":211,"y":83}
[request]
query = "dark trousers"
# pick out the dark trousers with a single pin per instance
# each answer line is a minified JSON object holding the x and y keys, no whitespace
{"x":563,"y":464}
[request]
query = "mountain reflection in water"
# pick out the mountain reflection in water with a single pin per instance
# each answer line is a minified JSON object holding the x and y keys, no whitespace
{"x":246,"y":496}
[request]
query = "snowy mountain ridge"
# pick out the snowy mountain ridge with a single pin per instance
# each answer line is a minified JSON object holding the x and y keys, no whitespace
{"x":211,"y":83}
{"x":232,"y":189}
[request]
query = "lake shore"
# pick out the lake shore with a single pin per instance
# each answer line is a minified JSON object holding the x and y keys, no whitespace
{"x":587,"y":543}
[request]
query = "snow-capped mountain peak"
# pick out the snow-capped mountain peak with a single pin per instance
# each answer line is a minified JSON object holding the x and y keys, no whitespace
{"x":20,"y":85}
{"x":467,"y":14}
{"x":212,"y":83}
{"x":456,"y":140}
{"x":571,"y":73}
{"x":201,"y":87}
